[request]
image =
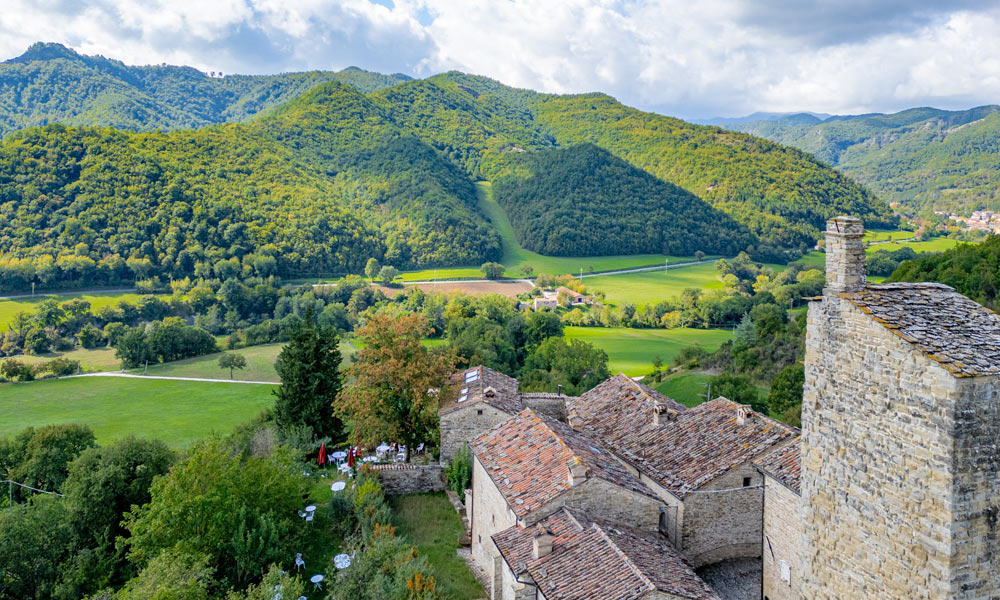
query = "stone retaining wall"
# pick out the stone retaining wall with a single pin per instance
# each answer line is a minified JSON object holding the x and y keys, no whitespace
{"x":410,"y":479}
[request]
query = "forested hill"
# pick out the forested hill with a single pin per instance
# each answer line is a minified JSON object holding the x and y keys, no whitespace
{"x":782,"y":194}
{"x":51,"y":83}
{"x":922,"y":157}
{"x":972,"y":269}
{"x":346,"y":171}
{"x":582,"y":200}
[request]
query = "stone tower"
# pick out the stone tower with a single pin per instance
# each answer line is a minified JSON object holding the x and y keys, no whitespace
{"x":901,"y":418}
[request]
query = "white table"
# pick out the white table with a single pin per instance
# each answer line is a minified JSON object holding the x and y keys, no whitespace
{"x":342,"y":561}
{"x":369,"y":459}
{"x":317,"y":581}
{"x":383,"y":448}
{"x":311,"y":508}
{"x":338,"y":486}
{"x":339,"y":455}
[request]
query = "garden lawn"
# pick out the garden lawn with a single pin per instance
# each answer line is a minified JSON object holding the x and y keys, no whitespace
{"x":631,"y":351}
{"x":177,"y":412}
{"x":11,"y":306}
{"x":431,"y":524}
{"x":650,"y":287}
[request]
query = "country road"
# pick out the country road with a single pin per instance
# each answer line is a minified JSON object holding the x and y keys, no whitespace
{"x":135,"y":376}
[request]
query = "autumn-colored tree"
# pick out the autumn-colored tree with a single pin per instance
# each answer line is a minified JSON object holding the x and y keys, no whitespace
{"x":395,"y":378}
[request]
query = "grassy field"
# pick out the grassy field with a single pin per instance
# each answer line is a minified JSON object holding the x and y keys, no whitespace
{"x":687,"y":388}
{"x":431,"y":524}
{"x":11,"y":306}
{"x":631,"y":351}
{"x":653,"y":286}
{"x":95,"y":359}
{"x":878,"y":235}
{"x":933,"y":245}
{"x":177,"y":412}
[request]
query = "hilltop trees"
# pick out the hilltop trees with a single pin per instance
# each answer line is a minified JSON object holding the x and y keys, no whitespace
{"x":396,"y":381}
{"x":311,"y":382}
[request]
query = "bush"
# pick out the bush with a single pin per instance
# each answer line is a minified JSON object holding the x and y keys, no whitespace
{"x":492,"y":270}
{"x":14,"y":369}
{"x":60,"y":367}
{"x":459,"y":472}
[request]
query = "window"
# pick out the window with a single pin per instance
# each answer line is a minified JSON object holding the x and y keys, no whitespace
{"x":746,"y":482}
{"x":479,"y":411}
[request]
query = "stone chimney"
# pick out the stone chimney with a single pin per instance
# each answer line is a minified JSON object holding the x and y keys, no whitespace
{"x":575,"y":421}
{"x":662,"y":414}
{"x":845,"y":255}
{"x":542,"y":543}
{"x":578,"y":471}
{"x":559,"y":389}
{"x":743,"y":412}
{"x":490,"y":392}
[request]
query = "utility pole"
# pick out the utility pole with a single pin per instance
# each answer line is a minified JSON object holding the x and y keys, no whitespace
{"x":666,"y":264}
{"x":708,"y":392}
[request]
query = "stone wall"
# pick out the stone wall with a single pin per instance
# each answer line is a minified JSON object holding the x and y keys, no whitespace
{"x":782,"y":541}
{"x":603,"y":500}
{"x":410,"y":479}
{"x":724,"y":525}
{"x":552,"y":405}
{"x":461,"y":426}
{"x":490,"y":514}
{"x":888,"y":476}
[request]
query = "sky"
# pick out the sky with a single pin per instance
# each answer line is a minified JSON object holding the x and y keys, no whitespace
{"x":691,"y":59}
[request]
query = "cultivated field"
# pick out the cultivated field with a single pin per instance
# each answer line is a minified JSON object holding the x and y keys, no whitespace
{"x":177,"y":412}
{"x":260,"y":364}
{"x":687,"y":388}
{"x":631,"y":351}
{"x":11,"y":306}
{"x":475,"y":288}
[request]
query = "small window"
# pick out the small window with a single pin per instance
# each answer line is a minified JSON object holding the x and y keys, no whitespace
{"x":746,"y":482}
{"x":479,"y":411}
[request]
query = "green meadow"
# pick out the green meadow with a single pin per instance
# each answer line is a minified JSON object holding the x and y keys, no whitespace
{"x":11,"y":306}
{"x":177,"y":412}
{"x":631,"y":351}
{"x":654,"y":286}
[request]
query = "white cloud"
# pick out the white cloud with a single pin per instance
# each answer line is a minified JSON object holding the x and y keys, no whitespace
{"x":675,"y":56}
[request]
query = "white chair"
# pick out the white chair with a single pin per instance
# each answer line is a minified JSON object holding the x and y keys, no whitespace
{"x":299,"y":563}
{"x":420,"y":448}
{"x":310,"y":517}
{"x":302,"y":514}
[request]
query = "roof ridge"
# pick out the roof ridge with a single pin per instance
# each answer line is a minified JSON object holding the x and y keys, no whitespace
{"x":628,"y":561}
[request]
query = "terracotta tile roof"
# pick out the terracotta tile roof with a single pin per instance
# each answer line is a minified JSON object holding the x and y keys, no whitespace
{"x":470,"y":387}
{"x":528,"y":458}
{"x":618,"y":406}
{"x":784,"y":465}
{"x":698,"y":445}
{"x":961,"y":335}
{"x":597,"y":560}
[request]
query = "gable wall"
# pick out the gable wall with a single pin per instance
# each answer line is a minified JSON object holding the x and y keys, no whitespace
{"x":727,"y":524}
{"x":782,"y":540}
{"x":461,"y":426}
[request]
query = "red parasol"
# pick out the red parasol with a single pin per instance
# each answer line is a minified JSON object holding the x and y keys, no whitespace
{"x":322,"y":454}
{"x":350,"y":458}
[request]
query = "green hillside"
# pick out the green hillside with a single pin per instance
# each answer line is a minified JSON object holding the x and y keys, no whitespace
{"x":781,"y":194}
{"x":922,"y":157}
{"x":51,"y":83}
{"x":972,"y":269}
{"x":346,"y":170}
{"x":581,"y":200}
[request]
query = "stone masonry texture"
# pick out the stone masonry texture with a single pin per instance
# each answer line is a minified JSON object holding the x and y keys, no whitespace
{"x":900,"y":475}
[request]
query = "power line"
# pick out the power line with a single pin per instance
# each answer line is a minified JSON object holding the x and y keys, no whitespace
{"x":10,"y":489}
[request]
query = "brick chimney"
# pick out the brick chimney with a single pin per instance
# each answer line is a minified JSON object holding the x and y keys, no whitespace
{"x":578,"y":471}
{"x":845,"y":255}
{"x":542,"y":543}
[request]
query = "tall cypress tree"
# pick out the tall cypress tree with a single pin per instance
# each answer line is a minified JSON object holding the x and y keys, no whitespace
{"x":309,"y":367}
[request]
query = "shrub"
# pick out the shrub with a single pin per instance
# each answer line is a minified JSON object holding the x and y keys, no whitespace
{"x":459,"y":472}
{"x":60,"y":367}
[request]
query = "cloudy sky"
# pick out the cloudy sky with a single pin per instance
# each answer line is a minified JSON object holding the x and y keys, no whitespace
{"x":687,"y":58}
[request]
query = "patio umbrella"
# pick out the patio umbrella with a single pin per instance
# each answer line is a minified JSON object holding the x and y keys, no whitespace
{"x":350,"y":458}
{"x":322,"y":454}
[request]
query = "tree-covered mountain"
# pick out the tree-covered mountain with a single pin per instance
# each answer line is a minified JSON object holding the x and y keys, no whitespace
{"x":783,"y":195}
{"x":51,"y":83}
{"x":922,"y":157}
{"x":335,"y":172}
{"x":582,"y":200}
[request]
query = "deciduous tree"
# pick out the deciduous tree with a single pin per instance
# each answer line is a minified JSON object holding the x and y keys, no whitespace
{"x":231,"y":360}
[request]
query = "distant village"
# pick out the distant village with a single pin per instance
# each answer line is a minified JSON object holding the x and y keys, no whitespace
{"x":980,"y":220}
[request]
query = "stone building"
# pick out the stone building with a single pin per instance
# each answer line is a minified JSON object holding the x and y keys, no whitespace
{"x":783,"y":550}
{"x":900,"y":473}
{"x":480,"y":398}
{"x":570,"y":556}
{"x":698,"y":461}
{"x":532,"y":466}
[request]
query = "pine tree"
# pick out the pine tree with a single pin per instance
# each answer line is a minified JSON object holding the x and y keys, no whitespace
{"x":309,"y":367}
